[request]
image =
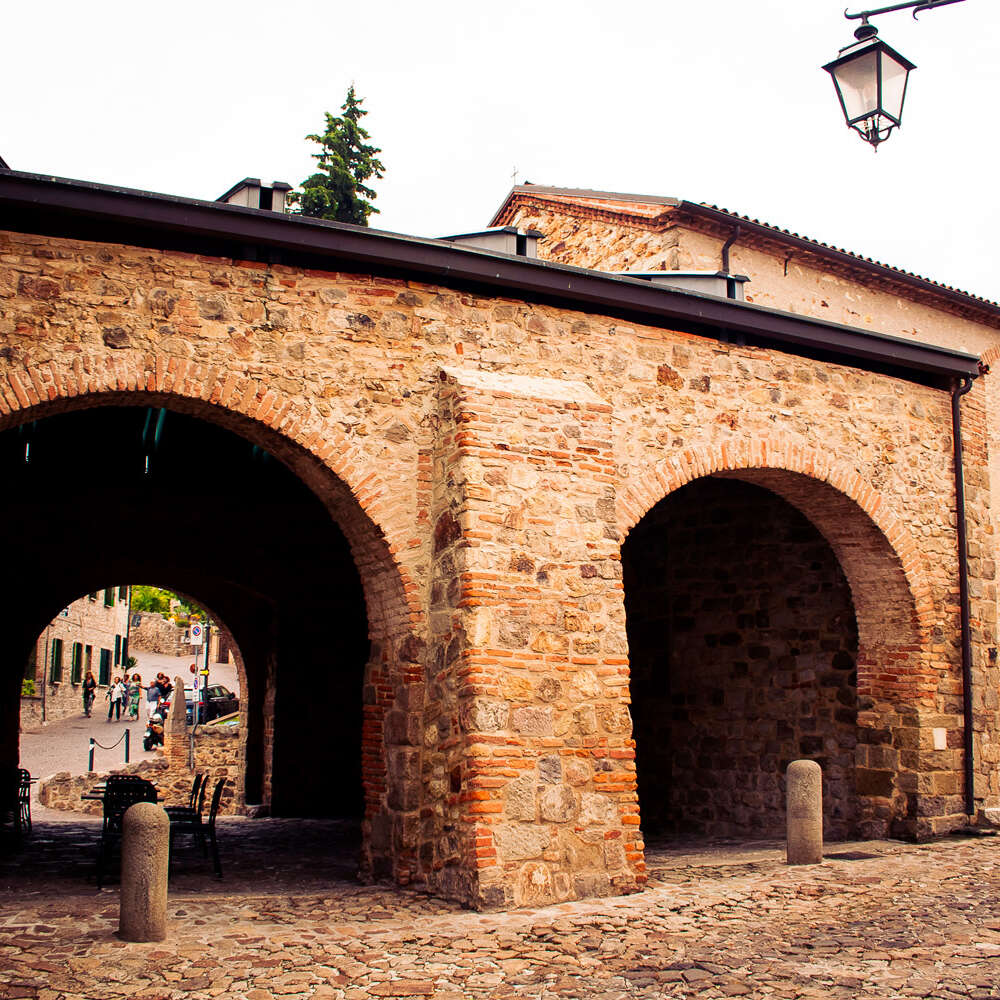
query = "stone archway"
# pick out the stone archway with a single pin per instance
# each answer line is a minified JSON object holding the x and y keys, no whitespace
{"x":387,"y":606}
{"x":898,"y":672}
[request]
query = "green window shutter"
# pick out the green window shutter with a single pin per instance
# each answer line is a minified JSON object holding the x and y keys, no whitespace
{"x":122,"y":593}
{"x":76,"y":673}
{"x":93,"y":596}
{"x":118,"y":650}
{"x":109,"y":597}
{"x":55,"y":668}
{"x":104,"y":676}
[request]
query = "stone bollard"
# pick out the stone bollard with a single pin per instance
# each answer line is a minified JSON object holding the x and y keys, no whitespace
{"x":804,"y":807}
{"x":145,"y":854}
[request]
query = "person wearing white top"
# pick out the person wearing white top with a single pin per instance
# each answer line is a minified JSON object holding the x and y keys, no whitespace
{"x":116,"y":695}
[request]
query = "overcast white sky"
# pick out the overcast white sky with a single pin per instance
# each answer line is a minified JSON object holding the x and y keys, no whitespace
{"x":721,"y":101}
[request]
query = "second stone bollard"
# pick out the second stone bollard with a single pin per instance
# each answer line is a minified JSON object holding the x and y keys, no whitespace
{"x":804,"y":805}
{"x":145,"y":853}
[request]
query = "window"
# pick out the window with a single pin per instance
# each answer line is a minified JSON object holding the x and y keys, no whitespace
{"x":93,"y":595}
{"x":76,"y":663}
{"x":55,"y":662}
{"x":109,"y":597}
{"x":123,"y":593}
{"x":105,"y":670}
{"x":118,"y":650}
{"x":31,"y":665}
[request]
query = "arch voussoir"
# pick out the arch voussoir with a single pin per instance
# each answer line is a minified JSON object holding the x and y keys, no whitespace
{"x":676,"y":470}
{"x":26,"y":386}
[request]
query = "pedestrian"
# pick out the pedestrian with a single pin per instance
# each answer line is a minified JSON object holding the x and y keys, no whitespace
{"x":89,"y":689}
{"x":134,"y":693}
{"x":116,"y":695}
{"x":163,"y":683}
{"x":152,"y":699}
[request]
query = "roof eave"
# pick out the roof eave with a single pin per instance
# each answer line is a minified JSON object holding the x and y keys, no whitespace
{"x":125,"y":216}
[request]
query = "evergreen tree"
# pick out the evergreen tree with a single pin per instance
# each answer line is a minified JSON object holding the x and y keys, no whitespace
{"x":338,"y":191}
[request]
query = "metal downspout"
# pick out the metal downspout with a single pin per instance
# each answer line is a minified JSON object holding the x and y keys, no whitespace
{"x":959,"y":390}
{"x":730,"y":284}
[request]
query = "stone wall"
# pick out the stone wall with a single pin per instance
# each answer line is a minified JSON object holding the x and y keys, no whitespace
{"x":613,"y":234}
{"x":62,"y":790}
{"x":485,"y":458}
{"x":155,"y":633}
{"x":743,"y":645}
{"x":217,"y":755}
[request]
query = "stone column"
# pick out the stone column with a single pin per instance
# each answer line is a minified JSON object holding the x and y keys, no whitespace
{"x":537,"y":779}
{"x":804,"y":795}
{"x":145,"y":857}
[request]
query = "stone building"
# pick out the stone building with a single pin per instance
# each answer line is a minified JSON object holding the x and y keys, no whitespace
{"x":669,"y":237}
{"x":526,"y":562}
{"x":90,"y":633}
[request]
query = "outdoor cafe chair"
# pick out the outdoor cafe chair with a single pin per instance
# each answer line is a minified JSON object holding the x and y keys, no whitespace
{"x":120,"y":792}
{"x":190,"y":821}
{"x":23,"y":818}
{"x":15,"y":799}
{"x":195,"y":804}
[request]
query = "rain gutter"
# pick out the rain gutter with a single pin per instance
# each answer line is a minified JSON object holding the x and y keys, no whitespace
{"x":968,"y":757}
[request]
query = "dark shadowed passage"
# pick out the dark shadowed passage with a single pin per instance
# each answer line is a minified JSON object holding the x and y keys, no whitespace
{"x":113,"y":493}
{"x":743,"y":646}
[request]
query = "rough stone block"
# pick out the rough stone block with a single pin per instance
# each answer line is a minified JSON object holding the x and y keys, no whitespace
{"x":519,"y":841}
{"x":485,"y":715}
{"x":532,"y":721}
{"x":557,"y":804}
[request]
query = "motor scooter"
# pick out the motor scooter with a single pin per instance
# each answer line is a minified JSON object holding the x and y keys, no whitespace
{"x":154,"y":732}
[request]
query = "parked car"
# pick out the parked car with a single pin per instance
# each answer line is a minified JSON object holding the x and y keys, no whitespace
{"x":213,"y":701}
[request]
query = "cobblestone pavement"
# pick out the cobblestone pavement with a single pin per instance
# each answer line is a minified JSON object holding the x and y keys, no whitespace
{"x":879,"y":919}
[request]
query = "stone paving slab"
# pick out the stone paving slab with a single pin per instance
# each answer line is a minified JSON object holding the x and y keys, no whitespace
{"x":878,"y":919}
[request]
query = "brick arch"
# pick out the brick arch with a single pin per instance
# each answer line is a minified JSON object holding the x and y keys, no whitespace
{"x":753,"y":461}
{"x":291,"y":431}
{"x":898,"y":672}
{"x":346,"y":481}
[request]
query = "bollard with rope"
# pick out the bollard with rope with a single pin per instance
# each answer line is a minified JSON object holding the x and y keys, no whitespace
{"x":93,"y":743}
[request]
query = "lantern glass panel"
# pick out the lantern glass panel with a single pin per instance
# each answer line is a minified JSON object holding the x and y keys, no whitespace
{"x":893,"y":86}
{"x":857,"y":81}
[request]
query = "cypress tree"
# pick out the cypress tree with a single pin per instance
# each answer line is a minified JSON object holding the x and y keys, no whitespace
{"x":345,"y":161}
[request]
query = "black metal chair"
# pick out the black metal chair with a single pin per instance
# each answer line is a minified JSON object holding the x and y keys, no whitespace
{"x":191,"y":813}
{"x":120,"y":792}
{"x":22,"y":819}
{"x":189,"y":821}
{"x":193,"y":800}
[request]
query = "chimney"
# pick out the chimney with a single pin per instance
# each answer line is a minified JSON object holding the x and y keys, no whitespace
{"x":503,"y":239}
{"x":250,"y":193}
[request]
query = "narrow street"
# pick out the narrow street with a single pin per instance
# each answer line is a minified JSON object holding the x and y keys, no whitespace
{"x":64,"y":745}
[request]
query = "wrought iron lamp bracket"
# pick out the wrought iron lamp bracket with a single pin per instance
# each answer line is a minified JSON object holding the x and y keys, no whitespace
{"x":866,"y":30}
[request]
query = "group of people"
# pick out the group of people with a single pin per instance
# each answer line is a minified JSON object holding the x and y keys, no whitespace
{"x":125,"y":693}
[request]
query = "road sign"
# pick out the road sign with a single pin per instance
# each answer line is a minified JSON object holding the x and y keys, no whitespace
{"x":197,"y":634}
{"x":204,"y":673}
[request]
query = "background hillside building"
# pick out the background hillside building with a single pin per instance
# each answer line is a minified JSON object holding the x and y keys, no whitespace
{"x":89,"y":634}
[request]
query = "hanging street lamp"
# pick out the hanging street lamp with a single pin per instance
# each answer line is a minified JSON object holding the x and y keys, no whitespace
{"x":870,"y":76}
